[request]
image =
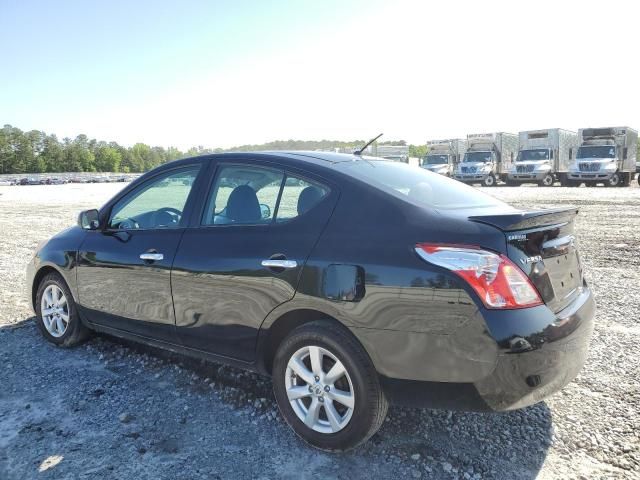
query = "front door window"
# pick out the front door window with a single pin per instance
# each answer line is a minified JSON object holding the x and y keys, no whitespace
{"x":157,"y":204}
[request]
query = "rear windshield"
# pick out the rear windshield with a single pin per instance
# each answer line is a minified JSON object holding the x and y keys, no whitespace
{"x":418,"y":185}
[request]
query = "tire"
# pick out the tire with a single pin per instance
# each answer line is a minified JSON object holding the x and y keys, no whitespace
{"x":615,"y":180}
{"x":547,"y":181}
{"x":489,"y":181}
{"x":74,"y":332}
{"x":334,"y":344}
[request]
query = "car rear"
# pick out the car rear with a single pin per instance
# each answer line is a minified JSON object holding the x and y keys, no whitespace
{"x":523,"y":272}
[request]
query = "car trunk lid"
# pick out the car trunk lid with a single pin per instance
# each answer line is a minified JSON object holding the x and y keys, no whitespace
{"x":542,"y":243}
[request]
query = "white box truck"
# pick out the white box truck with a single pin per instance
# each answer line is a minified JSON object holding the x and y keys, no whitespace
{"x":443,"y":155}
{"x":543,"y":157}
{"x":398,"y":153}
{"x":488,"y":158}
{"x":605,"y":155}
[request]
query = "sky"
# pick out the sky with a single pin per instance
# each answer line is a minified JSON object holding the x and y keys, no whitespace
{"x":225,"y":73}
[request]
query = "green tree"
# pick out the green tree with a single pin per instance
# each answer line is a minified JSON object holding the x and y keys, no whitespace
{"x":52,"y":154}
{"x":418,"y":151}
{"x":107,"y":159}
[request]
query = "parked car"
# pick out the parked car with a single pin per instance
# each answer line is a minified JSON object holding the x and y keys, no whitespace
{"x":363,"y":282}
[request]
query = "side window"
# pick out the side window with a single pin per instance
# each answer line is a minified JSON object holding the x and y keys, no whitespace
{"x":298,"y":197}
{"x":158,"y":203}
{"x":243,"y":195}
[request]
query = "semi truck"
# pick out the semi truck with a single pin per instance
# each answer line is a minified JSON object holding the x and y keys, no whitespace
{"x":543,"y":157}
{"x":605,"y":155}
{"x":444,"y":155}
{"x":489,"y":157}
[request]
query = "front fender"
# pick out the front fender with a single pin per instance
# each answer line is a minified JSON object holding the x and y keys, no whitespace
{"x":58,"y":254}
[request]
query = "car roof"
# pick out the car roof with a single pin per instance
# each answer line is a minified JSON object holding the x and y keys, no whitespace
{"x":310,"y":155}
{"x":300,"y":158}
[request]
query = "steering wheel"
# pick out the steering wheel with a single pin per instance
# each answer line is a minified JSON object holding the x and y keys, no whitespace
{"x":128,"y":224}
{"x":166,"y":216}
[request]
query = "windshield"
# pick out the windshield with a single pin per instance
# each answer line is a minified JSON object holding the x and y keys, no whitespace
{"x":477,"y":157}
{"x":537,"y":154}
{"x":436,"y":159}
{"x":597,"y":151}
{"x":418,"y":186}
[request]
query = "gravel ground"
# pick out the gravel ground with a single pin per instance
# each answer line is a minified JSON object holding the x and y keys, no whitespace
{"x":113,"y":410}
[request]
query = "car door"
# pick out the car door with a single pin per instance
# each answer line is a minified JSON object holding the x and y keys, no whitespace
{"x":124,"y":268}
{"x":245,"y":255}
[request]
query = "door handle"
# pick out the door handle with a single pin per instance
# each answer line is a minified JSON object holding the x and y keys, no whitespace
{"x":278,"y":263}
{"x":151,"y":256}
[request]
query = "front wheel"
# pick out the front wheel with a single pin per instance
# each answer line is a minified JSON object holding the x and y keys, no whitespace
{"x":489,"y":181}
{"x":56,"y":313}
{"x":615,"y":180}
{"x":327,"y":388}
{"x":547,"y":181}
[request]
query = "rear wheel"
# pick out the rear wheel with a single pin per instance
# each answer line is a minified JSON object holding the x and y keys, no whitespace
{"x":56,"y":313}
{"x":489,"y":181}
{"x":327,"y":388}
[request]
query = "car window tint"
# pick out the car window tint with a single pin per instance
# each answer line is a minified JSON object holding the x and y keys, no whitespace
{"x":298,"y":197}
{"x":243,"y":195}
{"x":418,"y":186}
{"x":158,"y":203}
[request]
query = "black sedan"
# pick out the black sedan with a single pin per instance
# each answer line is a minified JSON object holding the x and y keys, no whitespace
{"x":352,"y":281}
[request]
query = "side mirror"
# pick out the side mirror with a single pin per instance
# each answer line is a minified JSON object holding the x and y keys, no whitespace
{"x":89,"y":219}
{"x":265,"y":211}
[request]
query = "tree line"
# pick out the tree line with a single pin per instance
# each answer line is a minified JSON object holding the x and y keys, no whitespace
{"x":38,"y":152}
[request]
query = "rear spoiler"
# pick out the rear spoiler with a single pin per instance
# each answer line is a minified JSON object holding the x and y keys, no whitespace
{"x":530,"y":219}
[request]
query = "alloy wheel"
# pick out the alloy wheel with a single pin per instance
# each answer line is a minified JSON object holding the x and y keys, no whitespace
{"x":54,"y":311}
{"x":319,"y":389}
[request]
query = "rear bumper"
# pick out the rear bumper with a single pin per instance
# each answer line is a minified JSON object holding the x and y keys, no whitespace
{"x":538,"y":353}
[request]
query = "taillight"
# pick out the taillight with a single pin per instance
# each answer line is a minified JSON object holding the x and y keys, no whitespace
{"x":497,"y":280}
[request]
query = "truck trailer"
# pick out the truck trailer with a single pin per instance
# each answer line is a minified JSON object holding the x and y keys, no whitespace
{"x":605,"y":155}
{"x":444,"y":155}
{"x":543,"y":157}
{"x":488,"y":158}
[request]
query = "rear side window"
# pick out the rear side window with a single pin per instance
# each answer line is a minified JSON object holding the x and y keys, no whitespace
{"x":298,"y":197}
{"x":243,"y":195}
{"x":418,"y":185}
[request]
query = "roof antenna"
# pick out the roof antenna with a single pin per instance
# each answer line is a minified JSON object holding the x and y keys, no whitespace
{"x":359,"y":152}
